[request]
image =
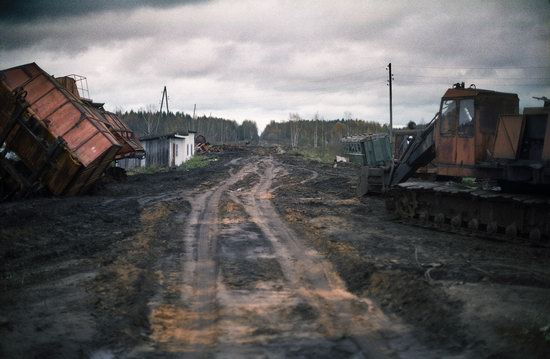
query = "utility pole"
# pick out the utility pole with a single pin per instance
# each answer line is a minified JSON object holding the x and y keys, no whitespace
{"x":164,"y":95}
{"x":390,"y":79}
{"x":193,"y":123}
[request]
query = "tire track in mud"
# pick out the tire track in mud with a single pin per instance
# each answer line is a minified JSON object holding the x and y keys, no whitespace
{"x":250,"y":287}
{"x":314,"y":175}
{"x":341,"y":314}
{"x":184,"y":313}
{"x":204,"y":228}
{"x":261,"y":313}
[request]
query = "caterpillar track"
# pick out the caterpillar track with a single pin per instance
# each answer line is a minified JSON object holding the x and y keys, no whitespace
{"x":456,"y":208}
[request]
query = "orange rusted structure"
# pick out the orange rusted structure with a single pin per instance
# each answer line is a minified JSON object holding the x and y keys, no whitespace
{"x":465,"y":132}
{"x":481,"y":134}
{"x":64,"y":142}
{"x":131,"y":147}
{"x":478,"y":134}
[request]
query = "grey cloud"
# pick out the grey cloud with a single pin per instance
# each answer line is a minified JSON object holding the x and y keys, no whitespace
{"x":307,"y":23}
{"x":30,"y":10}
{"x":271,"y":57}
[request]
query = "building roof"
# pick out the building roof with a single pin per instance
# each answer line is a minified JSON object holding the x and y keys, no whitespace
{"x":470,"y":92}
{"x":167,"y":135}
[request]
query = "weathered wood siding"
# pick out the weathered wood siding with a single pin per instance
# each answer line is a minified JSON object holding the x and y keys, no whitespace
{"x":165,"y":151}
{"x":130,"y":163}
{"x":157,"y":152}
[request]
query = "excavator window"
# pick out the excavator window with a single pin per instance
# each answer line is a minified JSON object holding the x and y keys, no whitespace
{"x":457,"y":117}
{"x":466,"y":118}
{"x":448,"y":117}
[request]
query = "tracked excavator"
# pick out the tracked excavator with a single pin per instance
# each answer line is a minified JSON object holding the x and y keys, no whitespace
{"x":492,"y":169}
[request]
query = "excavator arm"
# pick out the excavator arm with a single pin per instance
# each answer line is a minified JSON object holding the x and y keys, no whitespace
{"x":418,"y":154}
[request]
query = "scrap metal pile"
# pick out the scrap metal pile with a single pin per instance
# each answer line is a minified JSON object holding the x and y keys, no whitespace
{"x":201,"y":146}
{"x":52,"y":138}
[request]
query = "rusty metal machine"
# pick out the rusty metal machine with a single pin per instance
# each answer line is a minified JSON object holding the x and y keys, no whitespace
{"x":494,"y":163}
{"x":60,"y":141}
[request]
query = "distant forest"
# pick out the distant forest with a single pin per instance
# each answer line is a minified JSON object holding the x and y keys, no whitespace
{"x":316,"y":133}
{"x":216,"y":130}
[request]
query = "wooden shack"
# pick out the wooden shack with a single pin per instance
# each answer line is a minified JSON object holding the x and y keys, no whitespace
{"x":169,"y":150}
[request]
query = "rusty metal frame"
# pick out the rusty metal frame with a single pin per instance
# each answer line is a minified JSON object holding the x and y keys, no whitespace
{"x":30,"y":183}
{"x":54,"y":157}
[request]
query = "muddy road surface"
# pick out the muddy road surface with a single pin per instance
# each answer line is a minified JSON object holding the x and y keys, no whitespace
{"x":253,"y":288}
{"x":258,"y":254}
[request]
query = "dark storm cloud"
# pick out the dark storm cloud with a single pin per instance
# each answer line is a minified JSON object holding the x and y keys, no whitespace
{"x":74,"y":25}
{"x":263,"y":59}
{"x":30,"y":10}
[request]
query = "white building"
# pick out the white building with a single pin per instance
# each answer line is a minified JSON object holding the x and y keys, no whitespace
{"x":168,"y":150}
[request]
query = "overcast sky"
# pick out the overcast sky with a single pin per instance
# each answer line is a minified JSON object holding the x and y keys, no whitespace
{"x":261,"y":60}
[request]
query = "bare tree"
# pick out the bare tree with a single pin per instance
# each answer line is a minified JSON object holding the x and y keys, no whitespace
{"x":348,"y":117}
{"x":315,"y":134}
{"x":151,"y":122}
{"x":294,"y":122}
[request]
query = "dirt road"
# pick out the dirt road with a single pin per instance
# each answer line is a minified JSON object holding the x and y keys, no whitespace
{"x":257,"y":255}
{"x":252,"y":288}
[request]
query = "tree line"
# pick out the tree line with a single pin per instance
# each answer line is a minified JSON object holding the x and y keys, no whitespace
{"x":145,"y":122}
{"x":297,"y":132}
{"x":317,"y":132}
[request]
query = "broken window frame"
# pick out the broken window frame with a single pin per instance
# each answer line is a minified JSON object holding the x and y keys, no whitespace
{"x":449,"y":117}
{"x":466,"y":116}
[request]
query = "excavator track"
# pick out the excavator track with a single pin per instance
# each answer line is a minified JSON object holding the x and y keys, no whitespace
{"x":522,"y":218}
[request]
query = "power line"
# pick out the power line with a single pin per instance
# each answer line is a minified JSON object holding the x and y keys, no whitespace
{"x":346,"y":75}
{"x":477,"y":67}
{"x":482,"y":82}
{"x":476,"y":78}
{"x":352,"y":83}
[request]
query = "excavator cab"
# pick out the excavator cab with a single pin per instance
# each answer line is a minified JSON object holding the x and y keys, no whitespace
{"x":476,"y":133}
{"x":467,"y":127}
{"x":480,"y":133}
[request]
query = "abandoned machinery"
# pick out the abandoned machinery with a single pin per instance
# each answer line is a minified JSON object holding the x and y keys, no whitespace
{"x":477,"y":134}
{"x":53,"y":138}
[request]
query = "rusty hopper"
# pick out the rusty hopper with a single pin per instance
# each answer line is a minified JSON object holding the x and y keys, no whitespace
{"x":63,"y":144}
{"x":131,"y":147}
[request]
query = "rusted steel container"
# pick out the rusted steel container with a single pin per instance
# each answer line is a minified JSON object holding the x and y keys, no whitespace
{"x":131,"y":147}
{"x":55,"y":114}
{"x":70,"y":84}
{"x":36,"y":146}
